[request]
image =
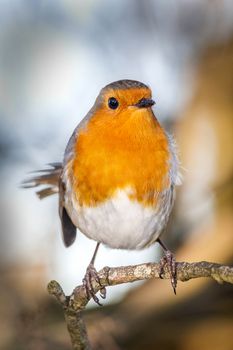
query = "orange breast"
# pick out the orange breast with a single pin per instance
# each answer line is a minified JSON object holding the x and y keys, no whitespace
{"x":130,"y":150}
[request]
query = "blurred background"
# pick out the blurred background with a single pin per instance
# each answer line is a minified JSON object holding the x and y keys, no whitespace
{"x":54,"y":58}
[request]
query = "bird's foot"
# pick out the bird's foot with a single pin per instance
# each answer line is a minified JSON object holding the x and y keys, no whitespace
{"x":170,"y":262}
{"x":90,"y":276}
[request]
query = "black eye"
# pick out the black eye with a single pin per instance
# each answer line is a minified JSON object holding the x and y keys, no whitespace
{"x":113,"y":103}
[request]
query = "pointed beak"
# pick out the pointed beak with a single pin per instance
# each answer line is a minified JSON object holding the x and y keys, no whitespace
{"x":145,"y":103}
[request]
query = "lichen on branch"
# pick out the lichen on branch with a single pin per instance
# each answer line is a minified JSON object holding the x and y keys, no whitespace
{"x":74,"y":304}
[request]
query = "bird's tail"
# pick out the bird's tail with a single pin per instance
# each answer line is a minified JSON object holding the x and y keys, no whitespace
{"x":48,"y":177}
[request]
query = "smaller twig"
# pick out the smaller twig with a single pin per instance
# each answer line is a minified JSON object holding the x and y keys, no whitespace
{"x":56,"y":290}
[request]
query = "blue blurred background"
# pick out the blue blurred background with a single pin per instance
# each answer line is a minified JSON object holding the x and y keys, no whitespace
{"x":54,"y":58}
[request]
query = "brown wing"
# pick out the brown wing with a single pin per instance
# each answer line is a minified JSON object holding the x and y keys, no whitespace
{"x":68,"y":228}
{"x":51,"y":179}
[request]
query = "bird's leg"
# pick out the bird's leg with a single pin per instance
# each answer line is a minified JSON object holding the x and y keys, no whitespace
{"x":90,"y":275}
{"x":170,"y":261}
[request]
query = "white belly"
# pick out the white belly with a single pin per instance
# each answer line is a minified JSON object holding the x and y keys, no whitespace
{"x":119,"y":222}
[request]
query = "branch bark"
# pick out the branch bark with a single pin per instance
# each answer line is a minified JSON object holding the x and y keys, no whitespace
{"x":74,"y":305}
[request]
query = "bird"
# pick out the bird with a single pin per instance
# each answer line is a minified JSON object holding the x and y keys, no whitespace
{"x":117,"y":180}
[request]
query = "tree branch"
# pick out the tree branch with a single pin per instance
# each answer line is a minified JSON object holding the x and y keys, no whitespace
{"x":76,"y":303}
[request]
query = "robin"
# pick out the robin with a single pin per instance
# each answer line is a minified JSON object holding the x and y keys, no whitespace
{"x":117,"y":181}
